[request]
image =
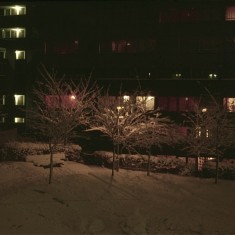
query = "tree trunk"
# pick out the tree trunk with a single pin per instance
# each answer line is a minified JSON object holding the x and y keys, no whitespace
{"x":196,"y":165}
{"x":148,"y":169}
{"x":186,"y":160}
{"x":51,"y":163}
{"x":117,"y":158}
{"x":113,"y":166}
{"x":217,"y":169}
{"x":217,"y":155}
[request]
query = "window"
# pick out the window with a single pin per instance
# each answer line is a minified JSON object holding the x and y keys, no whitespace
{"x":62,"y":47}
{"x":122,"y":46}
{"x":181,"y":104}
{"x":2,"y":53}
{"x":19,"y":120}
{"x":230,"y":13}
{"x":12,"y":33}
{"x":128,"y":46}
{"x":168,"y":103}
{"x":19,"y":99}
{"x":229,"y":104}
{"x":2,"y":99}
{"x":14,"y":10}
{"x":61,"y":102}
{"x":187,"y":104}
{"x":147,"y":101}
{"x":20,"y":55}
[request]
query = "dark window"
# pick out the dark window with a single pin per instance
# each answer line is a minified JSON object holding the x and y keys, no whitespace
{"x":129,"y":46}
{"x":65,"y":47}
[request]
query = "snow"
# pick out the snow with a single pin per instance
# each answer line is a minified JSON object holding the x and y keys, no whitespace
{"x":88,"y":200}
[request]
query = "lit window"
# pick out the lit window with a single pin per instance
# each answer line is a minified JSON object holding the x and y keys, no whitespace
{"x":230,"y":13}
{"x":19,"y":99}
{"x":2,"y":100}
{"x":229,"y":104}
{"x":126,"y":98}
{"x":19,"y":120}
{"x":12,"y":33}
{"x":20,"y":55}
{"x":2,"y":53}
{"x":14,"y":10}
{"x":198,"y":132}
{"x":147,"y":101}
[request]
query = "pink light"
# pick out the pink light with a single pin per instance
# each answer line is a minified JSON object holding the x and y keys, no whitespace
{"x":72,"y":97}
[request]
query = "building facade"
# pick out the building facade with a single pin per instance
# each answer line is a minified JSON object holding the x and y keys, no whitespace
{"x":172,"y":50}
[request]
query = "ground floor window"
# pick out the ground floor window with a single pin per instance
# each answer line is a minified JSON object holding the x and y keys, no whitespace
{"x":19,"y":120}
{"x":229,"y":104}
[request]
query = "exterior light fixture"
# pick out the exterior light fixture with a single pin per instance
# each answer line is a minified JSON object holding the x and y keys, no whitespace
{"x":213,"y":75}
{"x":72,"y":97}
{"x":204,"y":110}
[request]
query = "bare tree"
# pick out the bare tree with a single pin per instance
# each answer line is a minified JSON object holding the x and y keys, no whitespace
{"x":196,"y":141}
{"x":118,"y":118}
{"x":211,"y":132}
{"x":156,"y":131}
{"x":59,"y":107}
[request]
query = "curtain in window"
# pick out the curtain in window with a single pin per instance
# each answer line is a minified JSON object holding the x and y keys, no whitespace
{"x":230,"y":13}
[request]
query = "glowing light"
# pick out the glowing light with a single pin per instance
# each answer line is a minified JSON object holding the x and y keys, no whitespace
{"x":19,"y":99}
{"x":149,"y":98}
{"x":204,"y":110}
{"x":213,"y":75}
{"x":20,"y":55}
{"x":126,"y":98}
{"x":19,"y":120}
{"x":17,"y":9}
{"x":230,"y":104}
{"x":72,"y":97}
{"x":18,"y":30}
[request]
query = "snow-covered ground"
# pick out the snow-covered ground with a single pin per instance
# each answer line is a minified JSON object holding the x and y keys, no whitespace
{"x":87,"y":200}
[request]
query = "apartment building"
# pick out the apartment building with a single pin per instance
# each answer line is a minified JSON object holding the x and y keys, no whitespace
{"x":171,"y":50}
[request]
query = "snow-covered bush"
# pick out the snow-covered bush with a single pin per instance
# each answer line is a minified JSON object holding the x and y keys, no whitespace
{"x":72,"y":152}
{"x":99,"y":158}
{"x":162,"y":164}
{"x":17,"y":151}
{"x":226,"y":169}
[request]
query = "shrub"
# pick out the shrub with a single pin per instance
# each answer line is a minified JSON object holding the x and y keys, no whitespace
{"x":226,"y":169}
{"x":72,"y":152}
{"x":162,"y":164}
{"x":17,"y":151}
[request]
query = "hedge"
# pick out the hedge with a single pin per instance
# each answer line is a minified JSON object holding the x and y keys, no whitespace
{"x":17,"y":151}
